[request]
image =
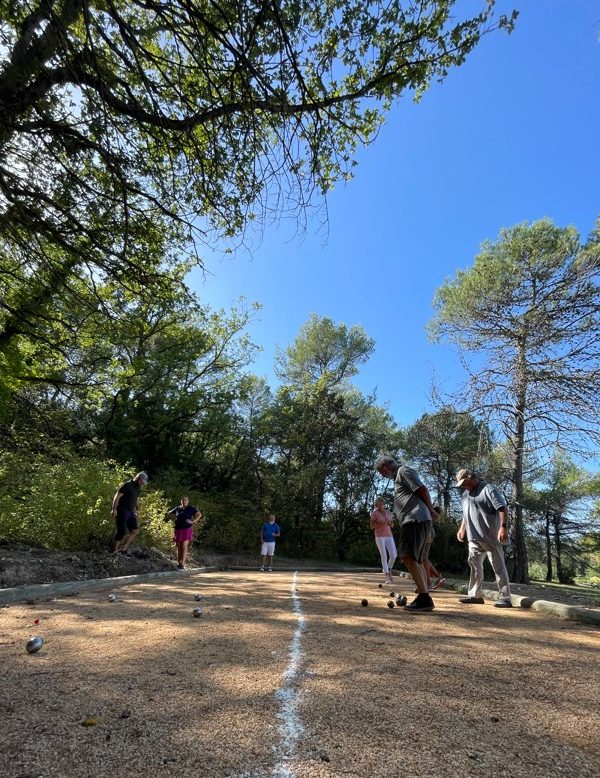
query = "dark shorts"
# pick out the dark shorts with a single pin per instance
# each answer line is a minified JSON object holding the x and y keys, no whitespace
{"x":126,"y":522}
{"x":413,"y":537}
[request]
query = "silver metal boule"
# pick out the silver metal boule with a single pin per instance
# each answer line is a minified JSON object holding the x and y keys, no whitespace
{"x":34,"y":645}
{"x":112,"y":597}
{"x":197,"y":596}
{"x":197,"y":612}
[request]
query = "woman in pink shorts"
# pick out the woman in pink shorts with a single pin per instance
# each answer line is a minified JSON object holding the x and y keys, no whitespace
{"x":185,"y":516}
{"x":381,"y":524}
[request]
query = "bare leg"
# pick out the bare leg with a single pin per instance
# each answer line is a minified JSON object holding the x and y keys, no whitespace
{"x":270,"y":558}
{"x":418,"y":575}
{"x":130,"y":537}
{"x":184,"y":550}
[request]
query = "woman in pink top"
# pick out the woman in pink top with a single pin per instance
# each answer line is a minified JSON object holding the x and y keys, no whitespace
{"x":381,"y":524}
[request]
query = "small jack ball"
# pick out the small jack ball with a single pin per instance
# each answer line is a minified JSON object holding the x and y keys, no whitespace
{"x":391,"y":604}
{"x":364,"y":603}
{"x":392,"y":594}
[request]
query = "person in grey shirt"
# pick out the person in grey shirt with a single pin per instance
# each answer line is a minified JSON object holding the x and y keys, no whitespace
{"x":485,"y":517}
{"x":414,"y":511}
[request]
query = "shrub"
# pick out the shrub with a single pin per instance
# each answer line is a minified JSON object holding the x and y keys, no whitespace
{"x":63,"y":501}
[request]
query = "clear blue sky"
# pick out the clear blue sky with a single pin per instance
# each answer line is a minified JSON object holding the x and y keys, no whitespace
{"x":512,"y":135}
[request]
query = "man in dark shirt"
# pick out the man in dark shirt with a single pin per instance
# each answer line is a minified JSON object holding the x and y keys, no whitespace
{"x":124,"y":511}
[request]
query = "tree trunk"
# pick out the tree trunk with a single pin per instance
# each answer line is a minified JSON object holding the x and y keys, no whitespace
{"x":548,"y":549}
{"x":521,"y":565}
{"x":558,"y":547}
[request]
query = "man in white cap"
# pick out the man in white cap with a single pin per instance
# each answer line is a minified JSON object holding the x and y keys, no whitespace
{"x":485,"y":517}
{"x":124,"y":511}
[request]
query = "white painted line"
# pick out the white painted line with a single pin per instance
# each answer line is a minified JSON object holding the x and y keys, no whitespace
{"x":288,"y":695}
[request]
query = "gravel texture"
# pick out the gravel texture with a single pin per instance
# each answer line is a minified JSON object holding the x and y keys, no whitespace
{"x":139,"y":687}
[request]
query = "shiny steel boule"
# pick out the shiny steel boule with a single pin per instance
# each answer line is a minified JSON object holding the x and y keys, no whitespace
{"x":197,"y":596}
{"x":34,"y":645}
{"x":197,"y":612}
{"x":112,"y":597}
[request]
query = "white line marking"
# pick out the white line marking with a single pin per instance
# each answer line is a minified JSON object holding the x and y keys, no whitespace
{"x":288,"y":695}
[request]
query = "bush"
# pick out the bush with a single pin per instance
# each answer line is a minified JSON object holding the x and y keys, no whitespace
{"x":63,"y":501}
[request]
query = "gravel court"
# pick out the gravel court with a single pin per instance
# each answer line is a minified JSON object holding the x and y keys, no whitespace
{"x":378,"y":691}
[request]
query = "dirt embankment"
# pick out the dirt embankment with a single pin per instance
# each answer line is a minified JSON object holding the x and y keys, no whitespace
{"x":21,"y":565}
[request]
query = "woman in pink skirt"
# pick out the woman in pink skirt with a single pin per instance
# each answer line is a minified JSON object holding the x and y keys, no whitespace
{"x":185,"y":516}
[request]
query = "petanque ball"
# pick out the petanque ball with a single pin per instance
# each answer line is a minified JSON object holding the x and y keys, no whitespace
{"x":381,"y":586}
{"x":364,"y":603}
{"x":197,"y":596}
{"x":197,"y":612}
{"x":391,"y":604}
{"x":112,"y":597}
{"x":34,"y":645}
{"x":392,"y":594}
{"x":401,"y":600}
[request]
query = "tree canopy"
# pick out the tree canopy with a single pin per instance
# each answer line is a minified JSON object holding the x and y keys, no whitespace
{"x":131,"y":129}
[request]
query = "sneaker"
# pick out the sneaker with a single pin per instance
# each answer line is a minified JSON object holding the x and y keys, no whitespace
{"x":437,"y":582}
{"x":471,"y":600}
{"x":180,"y":567}
{"x":262,"y":569}
{"x":503,"y":604}
{"x":421,"y":603}
{"x":269,"y":570}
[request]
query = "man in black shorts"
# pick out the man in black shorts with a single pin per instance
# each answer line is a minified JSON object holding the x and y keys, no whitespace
{"x":414,"y":511}
{"x":124,"y":511}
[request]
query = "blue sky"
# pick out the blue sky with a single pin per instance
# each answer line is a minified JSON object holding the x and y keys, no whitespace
{"x":512,"y":135}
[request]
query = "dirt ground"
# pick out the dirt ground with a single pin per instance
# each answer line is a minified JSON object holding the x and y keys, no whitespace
{"x":278,"y":678}
{"x":21,"y":565}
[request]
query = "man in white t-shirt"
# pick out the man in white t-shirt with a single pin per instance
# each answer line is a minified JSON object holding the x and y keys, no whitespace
{"x":485,"y":517}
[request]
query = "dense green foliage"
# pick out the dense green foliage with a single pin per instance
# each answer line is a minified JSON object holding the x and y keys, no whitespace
{"x":62,"y":500}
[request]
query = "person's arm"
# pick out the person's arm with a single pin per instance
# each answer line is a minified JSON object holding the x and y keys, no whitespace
{"x":197,"y":516}
{"x":460,"y":535}
{"x":262,"y":540}
{"x":115,"y":502}
{"x":169,"y":514}
{"x":503,"y":530}
{"x":278,"y":533}
{"x":423,"y":493}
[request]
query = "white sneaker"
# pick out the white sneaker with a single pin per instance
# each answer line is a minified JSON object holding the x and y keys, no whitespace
{"x":270,"y":570}
{"x":262,"y":569}
{"x":437,"y":582}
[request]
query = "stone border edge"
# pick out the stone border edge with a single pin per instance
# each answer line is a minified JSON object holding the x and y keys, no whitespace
{"x":62,"y":588}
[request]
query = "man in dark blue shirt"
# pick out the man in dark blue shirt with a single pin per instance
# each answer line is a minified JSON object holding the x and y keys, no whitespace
{"x":268,"y":532}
